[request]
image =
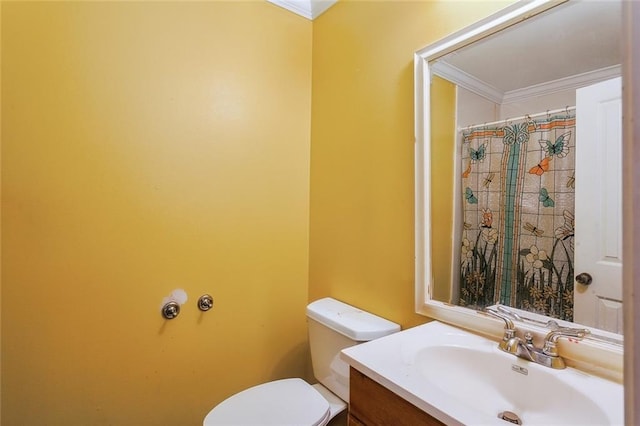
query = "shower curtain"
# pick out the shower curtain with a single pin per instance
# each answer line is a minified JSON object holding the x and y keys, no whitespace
{"x":518,"y":210}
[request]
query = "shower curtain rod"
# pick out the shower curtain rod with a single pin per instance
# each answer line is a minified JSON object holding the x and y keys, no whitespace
{"x":540,"y":114}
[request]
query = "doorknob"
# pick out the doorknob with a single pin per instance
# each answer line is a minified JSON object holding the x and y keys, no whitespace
{"x":584,"y":279}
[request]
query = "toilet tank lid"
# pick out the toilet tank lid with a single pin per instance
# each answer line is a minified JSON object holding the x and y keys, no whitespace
{"x":354,"y":323}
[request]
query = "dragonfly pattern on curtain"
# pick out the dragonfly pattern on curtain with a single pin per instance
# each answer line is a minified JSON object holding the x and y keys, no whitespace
{"x":518,"y":212}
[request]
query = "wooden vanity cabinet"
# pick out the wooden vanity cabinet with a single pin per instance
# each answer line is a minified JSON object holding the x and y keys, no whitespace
{"x":371,"y":404}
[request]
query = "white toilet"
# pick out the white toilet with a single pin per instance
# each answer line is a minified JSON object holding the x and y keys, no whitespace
{"x":333,"y":326}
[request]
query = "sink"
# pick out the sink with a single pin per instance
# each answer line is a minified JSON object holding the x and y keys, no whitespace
{"x":461,"y":378}
{"x":493,"y":382}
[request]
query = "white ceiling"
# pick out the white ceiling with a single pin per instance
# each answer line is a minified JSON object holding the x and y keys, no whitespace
{"x":574,"y":38}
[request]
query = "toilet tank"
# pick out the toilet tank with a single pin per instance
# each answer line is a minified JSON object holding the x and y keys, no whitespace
{"x":333,"y":326}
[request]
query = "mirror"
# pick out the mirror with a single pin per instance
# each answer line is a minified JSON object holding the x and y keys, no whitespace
{"x":512,"y":81}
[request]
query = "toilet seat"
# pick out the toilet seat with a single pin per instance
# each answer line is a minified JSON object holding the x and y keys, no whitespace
{"x":277,"y":403}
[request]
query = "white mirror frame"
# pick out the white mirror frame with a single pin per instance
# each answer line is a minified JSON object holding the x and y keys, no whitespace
{"x":606,"y":358}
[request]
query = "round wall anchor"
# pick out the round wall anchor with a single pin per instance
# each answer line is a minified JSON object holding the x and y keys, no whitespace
{"x":205,"y":302}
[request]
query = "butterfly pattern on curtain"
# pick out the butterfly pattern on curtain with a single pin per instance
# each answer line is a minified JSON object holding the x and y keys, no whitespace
{"x":518,"y":211}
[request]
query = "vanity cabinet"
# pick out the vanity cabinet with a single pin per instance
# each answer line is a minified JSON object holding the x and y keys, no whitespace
{"x":371,"y":404}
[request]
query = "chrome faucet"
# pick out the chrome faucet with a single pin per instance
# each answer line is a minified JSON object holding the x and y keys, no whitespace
{"x":548,"y":354}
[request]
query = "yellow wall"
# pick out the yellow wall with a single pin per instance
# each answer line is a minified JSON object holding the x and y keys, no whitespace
{"x":362,"y":142}
{"x":152,"y":146}
{"x":443,"y":134}
{"x":147,"y":147}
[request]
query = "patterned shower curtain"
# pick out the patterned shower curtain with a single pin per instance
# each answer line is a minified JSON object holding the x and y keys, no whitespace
{"x":518,"y":211}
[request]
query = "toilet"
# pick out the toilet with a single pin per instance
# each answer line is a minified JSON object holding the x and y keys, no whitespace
{"x":333,"y":326}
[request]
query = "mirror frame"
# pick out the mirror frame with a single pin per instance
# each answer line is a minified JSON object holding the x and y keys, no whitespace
{"x":591,"y":352}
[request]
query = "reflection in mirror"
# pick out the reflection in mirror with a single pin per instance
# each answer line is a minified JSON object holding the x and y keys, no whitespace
{"x":532,"y":116}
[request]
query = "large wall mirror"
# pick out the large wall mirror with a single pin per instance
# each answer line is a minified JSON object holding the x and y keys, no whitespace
{"x":519,"y":168}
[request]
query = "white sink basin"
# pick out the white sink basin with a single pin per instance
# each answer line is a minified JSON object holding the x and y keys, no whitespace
{"x":461,"y":378}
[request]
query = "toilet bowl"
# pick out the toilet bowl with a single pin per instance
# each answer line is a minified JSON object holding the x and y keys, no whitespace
{"x":333,"y":326}
{"x":277,"y":403}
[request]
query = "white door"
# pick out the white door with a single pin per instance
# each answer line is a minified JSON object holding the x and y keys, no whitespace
{"x":598,"y":215}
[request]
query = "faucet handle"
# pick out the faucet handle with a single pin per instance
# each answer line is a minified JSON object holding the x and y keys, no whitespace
{"x":552,"y":337}
{"x":509,"y":328}
{"x":577,"y":333}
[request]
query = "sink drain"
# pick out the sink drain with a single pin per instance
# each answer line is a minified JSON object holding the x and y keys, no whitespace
{"x":510,"y":417}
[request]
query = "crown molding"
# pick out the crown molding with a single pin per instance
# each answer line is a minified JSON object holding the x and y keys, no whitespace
{"x":568,"y":83}
{"x":479,"y":87}
{"x":469,"y":82}
{"x":310,"y":9}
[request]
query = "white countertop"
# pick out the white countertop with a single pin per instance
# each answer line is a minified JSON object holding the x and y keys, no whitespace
{"x":392,"y":362}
